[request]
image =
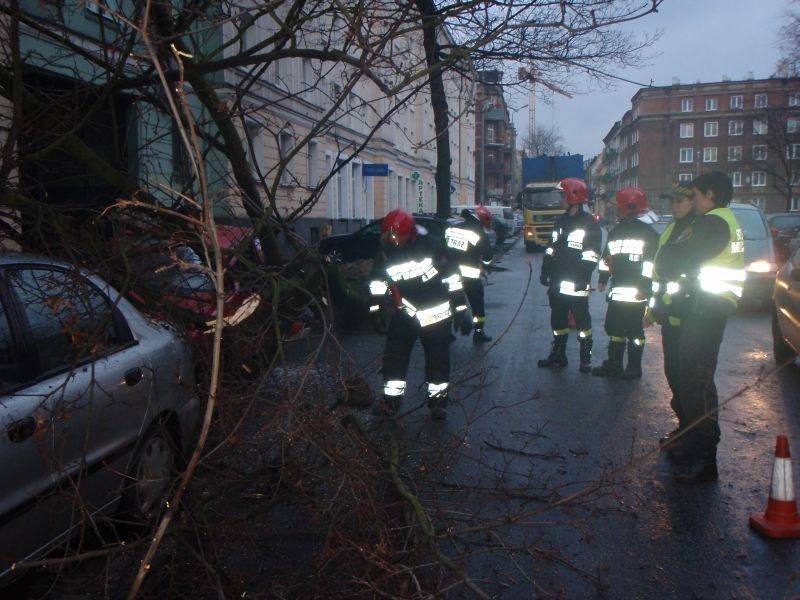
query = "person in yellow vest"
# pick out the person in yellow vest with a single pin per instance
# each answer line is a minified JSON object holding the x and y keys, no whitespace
{"x":702,"y":275}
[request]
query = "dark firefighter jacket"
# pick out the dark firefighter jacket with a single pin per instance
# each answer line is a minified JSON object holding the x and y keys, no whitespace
{"x":420,"y":278}
{"x":628,"y":261}
{"x":572,"y":254}
{"x":469,"y":246}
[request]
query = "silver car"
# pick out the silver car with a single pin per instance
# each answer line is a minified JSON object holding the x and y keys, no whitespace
{"x":786,"y":313}
{"x":97,"y":404}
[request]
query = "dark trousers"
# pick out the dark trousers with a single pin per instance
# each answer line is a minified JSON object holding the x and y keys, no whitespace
{"x":403,"y":332}
{"x":561,"y":305}
{"x":670,"y":343}
{"x":473,"y":288}
{"x":698,"y":349}
{"x":624,"y":319}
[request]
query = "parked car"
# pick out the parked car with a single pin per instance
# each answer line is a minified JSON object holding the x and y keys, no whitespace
{"x":786,"y":310}
{"x":363,"y":244}
{"x":759,"y":253}
{"x":784,"y":227}
{"x":98,"y":405}
{"x":661,"y":224}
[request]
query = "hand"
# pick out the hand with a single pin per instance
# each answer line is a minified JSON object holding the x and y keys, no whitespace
{"x":544,"y":279}
{"x":601,"y":287}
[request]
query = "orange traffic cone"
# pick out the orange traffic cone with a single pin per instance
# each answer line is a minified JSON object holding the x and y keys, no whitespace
{"x":781,"y":519}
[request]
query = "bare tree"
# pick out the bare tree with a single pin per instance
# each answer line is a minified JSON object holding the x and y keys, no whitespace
{"x":545,"y":142}
{"x":789,"y":42}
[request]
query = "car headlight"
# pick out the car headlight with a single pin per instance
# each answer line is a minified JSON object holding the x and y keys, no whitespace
{"x":762,"y":266}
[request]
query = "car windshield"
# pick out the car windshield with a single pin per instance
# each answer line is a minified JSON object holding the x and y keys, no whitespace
{"x":786,"y":221}
{"x":543,"y":199}
{"x":752,"y":224}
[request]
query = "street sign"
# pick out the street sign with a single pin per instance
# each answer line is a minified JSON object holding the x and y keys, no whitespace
{"x":415,"y":176}
{"x":375,"y":170}
{"x":420,"y":191}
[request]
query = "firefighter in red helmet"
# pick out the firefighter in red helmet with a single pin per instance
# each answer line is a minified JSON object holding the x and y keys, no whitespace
{"x":627,"y":261}
{"x":570,"y":259}
{"x":425,"y":286}
{"x":472,"y":251}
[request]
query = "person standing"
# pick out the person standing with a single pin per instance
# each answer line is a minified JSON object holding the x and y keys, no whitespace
{"x":570,"y":259}
{"x":472,"y":251}
{"x":627,"y":262}
{"x":414,"y":268}
{"x":706,"y":269}
{"x":661,"y":309}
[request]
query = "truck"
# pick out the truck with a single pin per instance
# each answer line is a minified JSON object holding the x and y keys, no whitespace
{"x":541,"y":200}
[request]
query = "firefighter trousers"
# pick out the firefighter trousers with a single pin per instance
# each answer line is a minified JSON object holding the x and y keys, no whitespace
{"x":560,"y":307}
{"x":400,"y":338}
{"x":473,"y":288}
{"x":624,"y":320}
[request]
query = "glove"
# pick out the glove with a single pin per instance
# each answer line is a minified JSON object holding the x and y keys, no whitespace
{"x":466,"y":322}
{"x":458,"y":319}
{"x":544,"y":279}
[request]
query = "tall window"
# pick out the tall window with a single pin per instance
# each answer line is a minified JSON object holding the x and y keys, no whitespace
{"x":308,"y":72}
{"x":736,"y":179}
{"x":312,"y":168}
{"x":490,"y":134}
{"x":285,"y":147}
{"x":735,"y":127}
{"x":254,"y":146}
{"x":759,"y":179}
{"x":734,"y":153}
{"x":794,"y":204}
{"x":759,"y":152}
{"x":793,"y":125}
{"x":687,"y":105}
{"x":794,"y":99}
{"x":709,"y":155}
{"x":711,"y":104}
{"x":687,"y":130}
{"x":758,"y":201}
{"x":737,"y":102}
{"x":635,"y":159}
{"x":687,"y":155}
{"x":711,"y":129}
{"x":761,"y":101}
{"x":793,"y":151}
{"x":759,"y":126}
{"x":635,"y":136}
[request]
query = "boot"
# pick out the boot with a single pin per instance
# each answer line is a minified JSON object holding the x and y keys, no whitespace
{"x":611,"y":367}
{"x":700,"y":468}
{"x":558,"y":354}
{"x":586,"y":355}
{"x":438,"y":407}
{"x":633,"y":370}
{"x":479,"y":337}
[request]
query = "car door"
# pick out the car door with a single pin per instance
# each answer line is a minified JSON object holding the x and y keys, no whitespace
{"x":91,"y":389}
{"x":789,"y":307}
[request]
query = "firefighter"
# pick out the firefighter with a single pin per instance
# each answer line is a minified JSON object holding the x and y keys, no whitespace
{"x":413,"y":267}
{"x":628,"y":262}
{"x":705,"y":274}
{"x":570,"y":258}
{"x":472,"y":251}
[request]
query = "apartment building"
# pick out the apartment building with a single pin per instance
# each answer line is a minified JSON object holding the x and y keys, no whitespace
{"x":749,"y":129}
{"x":495,"y":137}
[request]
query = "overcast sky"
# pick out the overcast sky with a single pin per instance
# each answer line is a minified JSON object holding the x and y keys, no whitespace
{"x":702,"y":40}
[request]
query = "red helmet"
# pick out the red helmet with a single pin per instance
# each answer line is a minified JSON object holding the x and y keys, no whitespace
{"x":631,"y":202}
{"x":484,"y":216}
{"x":574,"y":189}
{"x":398,"y":228}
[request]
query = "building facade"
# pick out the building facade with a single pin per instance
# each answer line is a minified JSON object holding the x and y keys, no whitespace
{"x":749,"y":129}
{"x":495,"y":139}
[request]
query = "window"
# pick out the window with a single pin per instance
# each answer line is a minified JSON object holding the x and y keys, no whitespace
{"x":687,"y":155}
{"x":737,"y":102}
{"x":793,"y":125}
{"x":759,"y":152}
{"x":308,"y":72}
{"x":9,"y":369}
{"x":711,"y":104}
{"x":709,"y":155}
{"x":794,"y":100}
{"x":758,"y":201}
{"x":687,"y":130}
{"x":759,"y":179}
{"x":254,"y":147}
{"x":68,"y":318}
{"x":711,"y":129}
{"x":685,"y":177}
{"x":285,"y":147}
{"x":794,"y":204}
{"x":312,"y":169}
{"x":793,"y":151}
{"x":734,"y":153}
{"x":761,"y":101}
{"x":181,"y":159}
{"x":759,"y":126}
{"x":687,"y":105}
{"x":735,"y":127}
{"x":490,"y":134}
{"x":736,"y":179}
{"x":635,"y":159}
{"x":635,"y":137}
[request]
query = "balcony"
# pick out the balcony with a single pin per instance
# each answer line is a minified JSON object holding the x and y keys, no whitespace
{"x":494,"y":166}
{"x":496,"y":114}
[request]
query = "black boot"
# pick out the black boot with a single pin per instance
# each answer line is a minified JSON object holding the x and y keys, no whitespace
{"x":558,"y":354}
{"x":479,"y":337}
{"x":633,"y":370}
{"x":699,"y":468}
{"x":611,"y":367}
{"x":438,"y":407}
{"x":586,"y":355}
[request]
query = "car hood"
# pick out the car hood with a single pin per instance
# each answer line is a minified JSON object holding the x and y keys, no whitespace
{"x":758,"y":249}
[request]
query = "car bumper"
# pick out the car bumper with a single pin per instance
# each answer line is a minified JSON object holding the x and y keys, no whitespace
{"x":758,"y":286}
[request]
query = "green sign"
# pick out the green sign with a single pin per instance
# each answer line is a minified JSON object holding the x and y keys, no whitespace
{"x":415,"y":175}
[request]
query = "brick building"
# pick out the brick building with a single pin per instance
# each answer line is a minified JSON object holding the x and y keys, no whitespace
{"x":749,"y":129}
{"x":495,"y":141}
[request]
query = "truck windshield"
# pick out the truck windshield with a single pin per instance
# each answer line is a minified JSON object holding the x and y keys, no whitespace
{"x":542,"y":199}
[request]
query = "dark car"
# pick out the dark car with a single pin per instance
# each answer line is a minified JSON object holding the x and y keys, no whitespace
{"x":363,"y":244}
{"x":759,"y":253}
{"x":784,"y":227}
{"x":786,"y":313}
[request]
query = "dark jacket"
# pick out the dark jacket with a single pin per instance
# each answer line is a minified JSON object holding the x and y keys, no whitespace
{"x":469,"y":245}
{"x":572,"y":254}
{"x":628,"y":260}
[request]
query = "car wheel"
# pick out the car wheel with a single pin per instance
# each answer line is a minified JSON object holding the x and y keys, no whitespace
{"x":151,"y":476}
{"x":336,"y":257}
{"x":781,"y":351}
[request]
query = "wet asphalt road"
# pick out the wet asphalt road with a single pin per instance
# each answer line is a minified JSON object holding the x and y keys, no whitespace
{"x":551,"y":483}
